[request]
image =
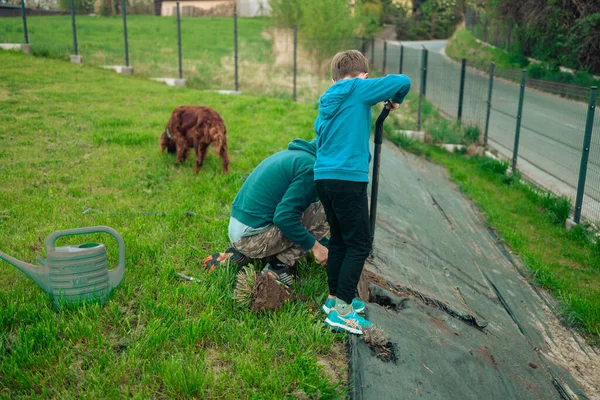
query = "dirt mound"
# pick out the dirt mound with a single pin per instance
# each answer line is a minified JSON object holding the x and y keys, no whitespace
{"x":260,"y":292}
{"x":268,"y":295}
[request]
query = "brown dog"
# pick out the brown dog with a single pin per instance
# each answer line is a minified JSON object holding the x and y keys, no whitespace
{"x":197,"y":127}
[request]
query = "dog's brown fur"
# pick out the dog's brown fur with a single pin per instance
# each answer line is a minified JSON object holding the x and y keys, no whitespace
{"x":197,"y":127}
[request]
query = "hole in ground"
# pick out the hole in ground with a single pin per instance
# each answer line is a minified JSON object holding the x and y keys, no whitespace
{"x":386,"y":299}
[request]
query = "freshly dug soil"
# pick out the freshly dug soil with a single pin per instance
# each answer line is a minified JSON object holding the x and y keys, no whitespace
{"x":268,"y":295}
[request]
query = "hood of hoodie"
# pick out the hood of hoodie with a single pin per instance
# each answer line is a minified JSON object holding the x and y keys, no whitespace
{"x":300,"y":144}
{"x":330,"y":102}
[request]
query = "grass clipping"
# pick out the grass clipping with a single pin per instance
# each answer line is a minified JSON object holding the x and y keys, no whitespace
{"x":259,"y":292}
{"x":380,"y":343}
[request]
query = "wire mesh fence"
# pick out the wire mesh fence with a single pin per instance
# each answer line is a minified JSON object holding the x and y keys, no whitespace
{"x":443,"y":84}
{"x":258,"y":60}
{"x":551,"y":123}
{"x":475,"y":98}
{"x":553,"y":130}
{"x":591,"y":201}
{"x":377,"y":62}
{"x":411,"y":66}
{"x":228,"y":52}
{"x":503,"y":117}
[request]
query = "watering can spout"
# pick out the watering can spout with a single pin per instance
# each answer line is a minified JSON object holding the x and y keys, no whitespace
{"x":38,"y":274}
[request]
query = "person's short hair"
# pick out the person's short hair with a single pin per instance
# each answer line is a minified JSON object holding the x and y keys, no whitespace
{"x":348,"y":63}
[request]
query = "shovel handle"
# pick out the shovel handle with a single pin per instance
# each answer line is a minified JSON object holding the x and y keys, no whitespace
{"x":115,"y":275}
{"x":376,"y":161}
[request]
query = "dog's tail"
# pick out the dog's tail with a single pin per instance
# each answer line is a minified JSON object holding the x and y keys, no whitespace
{"x":219,"y":135}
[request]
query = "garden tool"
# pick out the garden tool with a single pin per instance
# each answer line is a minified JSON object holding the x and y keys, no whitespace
{"x":77,"y":273}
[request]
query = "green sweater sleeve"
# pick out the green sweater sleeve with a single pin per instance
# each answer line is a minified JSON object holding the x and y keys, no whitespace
{"x":299,"y":195}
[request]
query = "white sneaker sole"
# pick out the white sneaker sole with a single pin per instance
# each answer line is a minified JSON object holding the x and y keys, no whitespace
{"x":327,"y":310}
{"x":343,"y":327}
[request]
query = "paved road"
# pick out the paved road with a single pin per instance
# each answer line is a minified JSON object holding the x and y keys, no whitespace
{"x":552,"y":127}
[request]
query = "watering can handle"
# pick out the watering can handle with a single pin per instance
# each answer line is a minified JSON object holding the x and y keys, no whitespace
{"x":115,"y":275}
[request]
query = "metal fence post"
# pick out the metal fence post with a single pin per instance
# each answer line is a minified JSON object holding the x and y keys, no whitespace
{"x":24,"y":15}
{"x":461,"y":93}
{"x":235,"y":45}
{"x":124,"y":12}
{"x":295,"y":57}
{"x":373,"y":52}
{"x":489,"y":105}
{"x":519,"y":114}
{"x":589,"y":124}
{"x":384,"y":56}
{"x":424,"y":79}
{"x":179,"y":41}
{"x":74,"y":28}
{"x":422,"y":86}
{"x":401,"y":58}
{"x":363,"y":48}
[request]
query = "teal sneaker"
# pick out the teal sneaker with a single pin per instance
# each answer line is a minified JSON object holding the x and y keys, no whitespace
{"x":357,"y":305}
{"x":351,"y":322}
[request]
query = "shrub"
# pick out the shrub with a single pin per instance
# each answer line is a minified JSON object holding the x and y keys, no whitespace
{"x":81,"y":6}
{"x":536,"y":71}
{"x":286,"y":13}
{"x":445,"y":132}
{"x":471,"y":135}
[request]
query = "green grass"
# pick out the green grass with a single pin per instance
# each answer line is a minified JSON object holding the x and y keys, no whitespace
{"x":438,"y":129}
{"x":509,"y":64}
{"x":207,"y":50}
{"x":531,"y":222}
{"x":464,"y":45}
{"x":74,"y":138}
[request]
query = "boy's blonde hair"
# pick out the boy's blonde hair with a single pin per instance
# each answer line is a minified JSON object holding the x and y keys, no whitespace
{"x":348,"y":63}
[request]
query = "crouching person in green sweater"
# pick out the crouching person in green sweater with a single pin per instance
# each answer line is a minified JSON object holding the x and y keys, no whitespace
{"x":276,"y":215}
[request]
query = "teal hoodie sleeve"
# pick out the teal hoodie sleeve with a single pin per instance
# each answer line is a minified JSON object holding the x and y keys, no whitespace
{"x":299,"y":195}
{"x":393,"y":86}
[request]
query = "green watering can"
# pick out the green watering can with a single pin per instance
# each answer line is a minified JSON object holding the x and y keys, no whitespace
{"x":74,"y":274}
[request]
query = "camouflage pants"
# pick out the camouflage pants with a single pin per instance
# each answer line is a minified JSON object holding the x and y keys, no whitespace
{"x":273,"y":243}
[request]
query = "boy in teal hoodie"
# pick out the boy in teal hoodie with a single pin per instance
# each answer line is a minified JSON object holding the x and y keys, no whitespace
{"x":343,"y":129}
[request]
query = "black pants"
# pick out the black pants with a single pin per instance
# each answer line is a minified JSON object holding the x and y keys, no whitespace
{"x":347,"y":210}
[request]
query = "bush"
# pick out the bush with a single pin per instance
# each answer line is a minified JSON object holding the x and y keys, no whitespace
{"x":471,"y":135}
{"x":584,"y":78}
{"x":81,"y":6}
{"x":286,"y":13}
{"x":369,"y":17}
{"x":444,"y":131}
{"x":516,"y":57}
{"x":559,"y":207}
{"x":326,"y":27}
{"x":489,"y":164}
{"x":536,"y":71}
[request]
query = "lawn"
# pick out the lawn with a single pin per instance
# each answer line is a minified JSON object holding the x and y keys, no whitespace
{"x":463,"y":44}
{"x":79,"y":138}
{"x":265,"y":54}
